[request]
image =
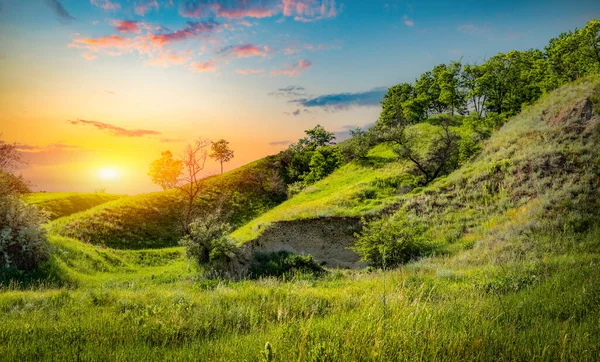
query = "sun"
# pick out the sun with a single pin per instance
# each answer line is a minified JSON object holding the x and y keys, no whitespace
{"x":108,"y":174}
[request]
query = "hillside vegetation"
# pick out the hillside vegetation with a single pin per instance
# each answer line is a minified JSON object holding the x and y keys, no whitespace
{"x":517,"y":278}
{"x":59,"y":204}
{"x":153,"y":220}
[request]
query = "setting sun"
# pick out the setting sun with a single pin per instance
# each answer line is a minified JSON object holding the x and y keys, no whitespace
{"x":108,"y":174}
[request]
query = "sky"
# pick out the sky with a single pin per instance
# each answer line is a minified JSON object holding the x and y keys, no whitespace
{"x":93,"y":90}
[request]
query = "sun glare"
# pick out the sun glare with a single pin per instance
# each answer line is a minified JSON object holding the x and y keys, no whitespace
{"x":108,"y":174}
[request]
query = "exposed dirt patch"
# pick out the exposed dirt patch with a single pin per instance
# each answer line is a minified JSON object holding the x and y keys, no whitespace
{"x":326,"y":239}
{"x":574,"y":115}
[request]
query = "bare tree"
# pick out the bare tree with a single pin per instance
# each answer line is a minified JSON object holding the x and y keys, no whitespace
{"x":194,"y":159}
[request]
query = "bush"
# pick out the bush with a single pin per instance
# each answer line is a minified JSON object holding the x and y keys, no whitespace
{"x":23,"y":243}
{"x":391,"y":241}
{"x":208,"y":242}
{"x":295,"y":188}
{"x":323,"y":162}
{"x":283,"y":264}
{"x":358,"y":146}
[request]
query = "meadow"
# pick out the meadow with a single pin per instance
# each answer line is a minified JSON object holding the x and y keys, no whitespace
{"x":512,"y":272}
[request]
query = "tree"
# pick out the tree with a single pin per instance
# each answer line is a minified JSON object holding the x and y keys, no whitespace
{"x":221,"y":152}
{"x":194,"y":159}
{"x":392,"y":111}
{"x":166,"y":170}
{"x":317,"y":137}
{"x":441,"y":156}
{"x":323,"y":162}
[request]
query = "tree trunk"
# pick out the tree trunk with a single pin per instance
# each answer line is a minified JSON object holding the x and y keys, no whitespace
{"x":221,"y":167}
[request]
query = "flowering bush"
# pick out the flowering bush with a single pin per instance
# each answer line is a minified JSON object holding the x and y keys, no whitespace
{"x":23,"y":243}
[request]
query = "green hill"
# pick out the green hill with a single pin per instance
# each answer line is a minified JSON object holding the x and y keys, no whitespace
{"x":59,"y":204}
{"x":536,"y":160}
{"x":513,"y":274}
{"x":153,"y":220}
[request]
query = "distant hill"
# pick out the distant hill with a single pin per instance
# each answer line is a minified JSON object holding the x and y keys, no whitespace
{"x":59,"y":204}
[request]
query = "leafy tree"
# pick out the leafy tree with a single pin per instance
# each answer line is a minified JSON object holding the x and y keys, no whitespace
{"x":441,"y":157}
{"x":471,"y":83}
{"x":323,"y":162}
{"x":317,"y":137}
{"x":358,"y":146}
{"x":452,"y":95}
{"x":221,"y":152}
{"x":392,"y":112}
{"x":166,"y":170}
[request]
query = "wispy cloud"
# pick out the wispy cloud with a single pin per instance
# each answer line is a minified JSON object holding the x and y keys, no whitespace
{"x":294,"y":69}
{"x":289,"y":91}
{"x":473,"y":29}
{"x":106,"y":4}
{"x":407,"y":21}
{"x":52,"y":154}
{"x":279,"y":143}
{"x":143,"y":6}
{"x":342,"y":101}
{"x":60,"y":11}
{"x":115,"y":130}
{"x":249,"y":71}
{"x":245,"y":51}
{"x":208,"y":66}
{"x":192,"y":29}
{"x":300,"y":10}
{"x":127,"y":26}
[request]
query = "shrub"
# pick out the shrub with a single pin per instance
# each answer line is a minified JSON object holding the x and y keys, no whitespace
{"x":23,"y":243}
{"x":391,"y":241}
{"x":283,"y":264}
{"x":323,"y":162}
{"x":208,"y":242}
{"x":295,"y":188}
{"x":358,"y":146}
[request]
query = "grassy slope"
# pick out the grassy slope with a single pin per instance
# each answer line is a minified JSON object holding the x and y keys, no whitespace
{"x":152,"y":220}
{"x":60,"y":204}
{"x":525,"y":284}
{"x":359,"y":188}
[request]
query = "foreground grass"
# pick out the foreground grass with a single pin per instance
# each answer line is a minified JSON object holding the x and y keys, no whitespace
{"x":530,"y":298}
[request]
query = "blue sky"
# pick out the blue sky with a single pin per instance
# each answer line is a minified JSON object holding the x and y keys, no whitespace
{"x":257,"y":72}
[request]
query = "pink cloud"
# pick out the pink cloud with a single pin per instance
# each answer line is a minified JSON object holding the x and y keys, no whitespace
{"x":193,"y":29}
{"x":293,"y":70}
{"x":249,"y":71}
{"x":208,"y":66}
{"x":127,"y":26}
{"x":88,"y":56}
{"x":106,"y":4}
{"x":168,"y":58}
{"x":245,"y":51}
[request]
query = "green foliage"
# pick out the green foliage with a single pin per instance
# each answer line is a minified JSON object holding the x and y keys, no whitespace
{"x":322,"y":163}
{"x":23,"y":243}
{"x":221,"y":152}
{"x":283,"y":264}
{"x":358,"y":146}
{"x":393,"y":241}
{"x":208,"y":241}
{"x":166,"y":170}
{"x":9,"y":184}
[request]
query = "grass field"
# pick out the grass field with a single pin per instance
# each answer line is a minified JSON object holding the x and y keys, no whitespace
{"x":59,"y":204}
{"x":514,"y":275}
